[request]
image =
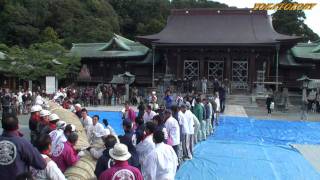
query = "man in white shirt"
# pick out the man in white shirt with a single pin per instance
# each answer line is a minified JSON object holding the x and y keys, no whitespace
{"x":173,"y":129}
{"x":204,"y":82}
{"x":162,"y":161}
{"x":51,"y":171}
{"x":217,"y":101}
{"x":146,"y":145}
{"x":148,"y":115}
{"x":95,"y":133}
{"x":187,"y":143}
{"x":86,"y":120}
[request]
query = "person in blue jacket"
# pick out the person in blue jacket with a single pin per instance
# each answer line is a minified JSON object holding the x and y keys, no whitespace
{"x":16,"y":153}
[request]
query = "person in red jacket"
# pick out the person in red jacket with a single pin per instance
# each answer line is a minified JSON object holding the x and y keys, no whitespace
{"x":121,"y":168}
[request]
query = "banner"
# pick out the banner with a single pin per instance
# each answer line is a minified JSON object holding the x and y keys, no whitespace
{"x":51,"y":84}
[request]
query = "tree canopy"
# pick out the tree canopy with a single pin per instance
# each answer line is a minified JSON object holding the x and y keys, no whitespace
{"x":292,"y":23}
{"x":38,"y":61}
{"x":24,"y":22}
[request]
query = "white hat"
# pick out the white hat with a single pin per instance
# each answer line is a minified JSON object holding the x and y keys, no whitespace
{"x":53,"y":117}
{"x":153,"y":92}
{"x":61,"y":124}
{"x":120,"y":152}
{"x":73,"y":128}
{"x":44,"y":113}
{"x":77,"y":105}
{"x":36,"y":108}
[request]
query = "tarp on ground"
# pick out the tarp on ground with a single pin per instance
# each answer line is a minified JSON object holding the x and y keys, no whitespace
{"x":227,"y":160}
{"x":114,"y":119}
{"x":244,"y":148}
{"x":268,"y":131}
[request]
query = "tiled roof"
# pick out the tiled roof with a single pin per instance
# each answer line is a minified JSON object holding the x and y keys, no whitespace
{"x":117,"y":47}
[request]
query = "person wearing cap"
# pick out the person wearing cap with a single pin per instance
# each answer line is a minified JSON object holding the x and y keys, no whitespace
{"x":17,"y":154}
{"x":162,"y":161}
{"x":78,"y":109}
{"x":34,"y":121}
{"x":173,"y":129}
{"x":105,"y":161}
{"x":148,"y":115}
{"x":68,"y":155}
{"x":146,"y":145}
{"x":51,"y":171}
{"x":95,"y":133}
{"x":43,"y":125}
{"x":121,"y":168}
{"x":130,"y":140}
{"x":86,"y":120}
{"x":57,"y":135}
{"x":53,"y":119}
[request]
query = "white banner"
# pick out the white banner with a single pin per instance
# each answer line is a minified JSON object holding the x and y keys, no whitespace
{"x":51,"y":85}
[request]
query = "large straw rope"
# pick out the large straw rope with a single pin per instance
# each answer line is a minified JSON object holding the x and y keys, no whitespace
{"x":71,"y":118}
{"x":84,"y":168}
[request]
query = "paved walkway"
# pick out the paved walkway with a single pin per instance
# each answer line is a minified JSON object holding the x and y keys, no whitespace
{"x":235,"y":110}
{"x":310,"y":153}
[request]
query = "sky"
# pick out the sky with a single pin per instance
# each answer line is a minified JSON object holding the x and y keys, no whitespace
{"x":312,"y":16}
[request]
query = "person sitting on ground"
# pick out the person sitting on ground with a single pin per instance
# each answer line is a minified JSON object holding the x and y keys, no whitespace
{"x":17,"y":154}
{"x":162,"y":161}
{"x":51,"y":171}
{"x":105,"y":161}
{"x":147,"y":145}
{"x":85,"y":119}
{"x":121,"y":167}
{"x":95,"y":133}
{"x":108,"y":127}
{"x":130,"y":140}
{"x":148,"y":115}
{"x":68,"y":156}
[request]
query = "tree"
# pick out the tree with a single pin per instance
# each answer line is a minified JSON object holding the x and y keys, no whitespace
{"x":40,"y":60}
{"x":25,"y":22}
{"x":292,"y":23}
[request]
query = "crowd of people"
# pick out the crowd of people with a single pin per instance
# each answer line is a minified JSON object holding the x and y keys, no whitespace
{"x":156,"y":140}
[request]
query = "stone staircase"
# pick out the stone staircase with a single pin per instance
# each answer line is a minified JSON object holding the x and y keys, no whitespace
{"x":241,"y":100}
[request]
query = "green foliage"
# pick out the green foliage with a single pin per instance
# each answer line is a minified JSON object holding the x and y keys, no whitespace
{"x":50,"y":35}
{"x":292,"y":23}
{"x":24,"y":22}
{"x":143,"y":17}
{"x":37,"y":62}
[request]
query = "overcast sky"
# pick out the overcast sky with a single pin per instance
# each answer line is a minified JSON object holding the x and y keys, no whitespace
{"x":312,"y":16}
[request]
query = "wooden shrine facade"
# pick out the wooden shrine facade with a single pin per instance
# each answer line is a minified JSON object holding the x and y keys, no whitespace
{"x":237,"y":64}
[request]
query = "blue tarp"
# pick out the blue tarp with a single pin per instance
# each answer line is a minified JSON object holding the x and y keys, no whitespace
{"x":227,"y":160}
{"x":268,"y":131}
{"x":243,"y":148}
{"x":114,"y":119}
